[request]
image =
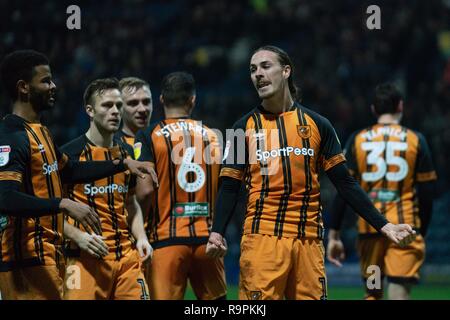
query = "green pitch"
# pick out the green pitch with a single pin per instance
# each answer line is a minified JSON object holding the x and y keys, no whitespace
{"x":420,"y":292}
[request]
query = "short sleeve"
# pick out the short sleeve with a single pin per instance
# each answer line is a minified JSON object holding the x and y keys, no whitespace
{"x":235,"y":154}
{"x":424,"y":169}
{"x":331,"y":150}
{"x":14,"y":156}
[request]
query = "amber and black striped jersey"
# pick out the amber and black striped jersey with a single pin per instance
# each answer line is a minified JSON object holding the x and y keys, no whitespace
{"x":187,"y":156}
{"x":388,"y":160}
{"x":125,"y":138}
{"x":280,"y":158}
{"x":107,"y":196}
{"x":28,"y":156}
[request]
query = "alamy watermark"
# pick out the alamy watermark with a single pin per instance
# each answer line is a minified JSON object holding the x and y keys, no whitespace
{"x":373,"y":282}
{"x":373,"y":22}
{"x":73,"y":21}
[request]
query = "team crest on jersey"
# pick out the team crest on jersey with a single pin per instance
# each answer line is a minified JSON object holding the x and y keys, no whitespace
{"x":304,"y":131}
{"x":137,"y":150}
{"x":4,"y":155}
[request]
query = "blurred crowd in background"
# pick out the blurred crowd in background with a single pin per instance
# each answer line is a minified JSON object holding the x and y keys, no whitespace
{"x":338,"y":62}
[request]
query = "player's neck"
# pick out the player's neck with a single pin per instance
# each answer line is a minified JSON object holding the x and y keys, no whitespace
{"x":389,"y":118}
{"x":278,"y":103}
{"x":176,"y":112}
{"x":100,"y":137}
{"x":25,"y":111}
{"x":128,"y":130}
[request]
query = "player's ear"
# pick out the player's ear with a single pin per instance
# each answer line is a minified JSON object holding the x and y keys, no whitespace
{"x":23,"y":87}
{"x":287,"y":71}
{"x":161,"y":99}
{"x":90,"y":111}
{"x":192,"y":100}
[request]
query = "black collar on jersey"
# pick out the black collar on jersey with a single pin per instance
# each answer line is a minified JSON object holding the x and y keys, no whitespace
{"x":115,"y":143}
{"x":184,"y":117}
{"x":294,"y":106}
{"x":123,"y":133}
{"x":15,"y":118}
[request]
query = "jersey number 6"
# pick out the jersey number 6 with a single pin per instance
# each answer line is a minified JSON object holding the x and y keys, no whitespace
{"x":188,"y":166}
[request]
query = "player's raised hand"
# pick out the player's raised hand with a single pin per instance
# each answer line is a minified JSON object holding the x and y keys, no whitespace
{"x":144,"y":248}
{"x":83,"y":214}
{"x":141,"y":169}
{"x":402,"y":234}
{"x":92,"y":244}
{"x":217,"y":246}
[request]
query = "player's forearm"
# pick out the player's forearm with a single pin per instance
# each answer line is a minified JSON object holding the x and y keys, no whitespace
{"x":86,"y":171}
{"x":349,"y":189}
{"x":71,"y":232}
{"x":18,"y":204}
{"x":334,"y":234}
{"x":425,"y":192}
{"x":144,"y":192}
{"x":337,"y":212}
{"x":225,"y":204}
{"x":135,"y":219}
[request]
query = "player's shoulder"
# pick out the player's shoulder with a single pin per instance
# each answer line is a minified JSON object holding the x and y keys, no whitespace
{"x":75,"y":147}
{"x":12,"y":131}
{"x":124,"y":146}
{"x":421,"y":139}
{"x":147,"y":132}
{"x":321,"y":121}
{"x":415,"y":133}
{"x":241,"y":123}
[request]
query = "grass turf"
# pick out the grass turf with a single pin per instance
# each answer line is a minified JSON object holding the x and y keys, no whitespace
{"x":420,"y":292}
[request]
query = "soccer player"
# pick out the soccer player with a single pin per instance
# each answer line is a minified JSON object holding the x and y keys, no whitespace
{"x":32,"y":170}
{"x":137,"y":109}
{"x":393,"y":166}
{"x":284,"y":147}
{"x":186,"y":156}
{"x":110,"y":264}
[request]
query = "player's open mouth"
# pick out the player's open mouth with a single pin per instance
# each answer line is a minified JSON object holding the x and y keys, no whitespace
{"x":114,"y":121}
{"x":262,"y":84}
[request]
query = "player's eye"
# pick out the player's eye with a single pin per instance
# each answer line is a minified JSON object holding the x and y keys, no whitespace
{"x":119,"y":105}
{"x":146,"y":102}
{"x":133,"y":103}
